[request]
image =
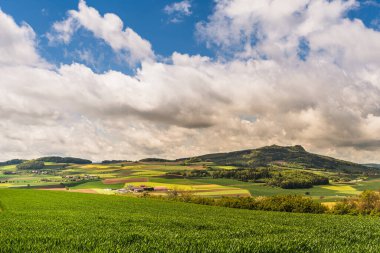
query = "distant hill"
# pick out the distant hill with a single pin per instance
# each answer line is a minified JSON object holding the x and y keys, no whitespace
{"x":372,"y":165}
{"x":114,"y":161}
{"x":58,"y":159}
{"x":150,"y":160}
{"x":12,"y":162}
{"x":277,"y":154}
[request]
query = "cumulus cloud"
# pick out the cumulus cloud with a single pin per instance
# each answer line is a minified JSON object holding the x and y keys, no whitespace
{"x":274,"y":30}
{"x":17,"y":43}
{"x":193,"y":104}
{"x":109,"y":28}
{"x":63,"y":31}
{"x":178,"y":10}
{"x":371,"y":3}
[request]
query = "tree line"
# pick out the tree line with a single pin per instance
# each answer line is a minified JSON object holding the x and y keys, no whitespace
{"x":367,"y":203}
{"x":31,"y":165}
{"x":58,"y":159}
{"x":286,"y":179}
{"x":12,"y":162}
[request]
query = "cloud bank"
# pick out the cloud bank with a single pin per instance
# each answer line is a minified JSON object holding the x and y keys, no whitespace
{"x":259,"y":91}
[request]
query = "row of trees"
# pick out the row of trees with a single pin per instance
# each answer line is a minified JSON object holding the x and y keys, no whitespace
{"x":192,"y":173}
{"x":244,"y":174}
{"x":114,"y":161}
{"x":367,"y":203}
{"x":297,"y":180}
{"x":12,"y":162}
{"x":58,"y":159}
{"x":288,"y":179}
{"x":31,"y":165}
{"x":285,"y":203}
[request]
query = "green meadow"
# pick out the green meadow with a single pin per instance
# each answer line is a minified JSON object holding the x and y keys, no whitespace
{"x":49,"y":221}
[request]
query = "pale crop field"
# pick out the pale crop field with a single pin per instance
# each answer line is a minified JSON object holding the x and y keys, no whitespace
{"x":344,"y":189}
{"x":177,"y":187}
{"x":148,"y":173}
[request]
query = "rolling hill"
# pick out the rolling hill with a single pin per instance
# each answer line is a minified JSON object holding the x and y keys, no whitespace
{"x":372,"y":165}
{"x":269,"y":155}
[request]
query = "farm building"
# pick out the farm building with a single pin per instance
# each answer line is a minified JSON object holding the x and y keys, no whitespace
{"x":160,"y":188}
{"x":138,"y":189}
{"x":122,"y":191}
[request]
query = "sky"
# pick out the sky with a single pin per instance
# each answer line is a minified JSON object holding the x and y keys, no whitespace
{"x":124,"y":79}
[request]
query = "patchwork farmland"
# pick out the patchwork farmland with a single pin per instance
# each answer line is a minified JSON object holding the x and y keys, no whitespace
{"x":74,"y":205}
{"x":110,"y":178}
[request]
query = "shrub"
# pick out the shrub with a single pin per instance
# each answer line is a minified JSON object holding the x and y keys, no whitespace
{"x":291,"y":203}
{"x":367,"y":203}
{"x":285,"y":203}
{"x":347,"y":206}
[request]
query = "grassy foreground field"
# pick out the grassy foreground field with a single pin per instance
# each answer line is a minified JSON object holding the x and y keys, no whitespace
{"x":49,"y":221}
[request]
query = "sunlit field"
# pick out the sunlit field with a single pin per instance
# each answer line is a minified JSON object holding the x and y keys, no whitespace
{"x":121,"y":175}
{"x":50,"y":221}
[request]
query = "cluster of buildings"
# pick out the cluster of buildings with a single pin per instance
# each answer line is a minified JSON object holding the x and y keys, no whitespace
{"x":9,"y":173}
{"x":76,"y":178}
{"x":39,"y":172}
{"x":141,"y":189}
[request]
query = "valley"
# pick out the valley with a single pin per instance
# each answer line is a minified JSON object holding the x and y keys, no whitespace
{"x":236,"y":174}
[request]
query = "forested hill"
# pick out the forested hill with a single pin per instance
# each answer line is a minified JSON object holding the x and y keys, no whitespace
{"x":268,"y":155}
{"x":12,"y":162}
{"x":373,"y":165}
{"x":58,"y":159}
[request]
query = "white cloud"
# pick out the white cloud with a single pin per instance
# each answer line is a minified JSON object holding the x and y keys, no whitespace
{"x":87,"y":56}
{"x":193,"y":104}
{"x":109,"y":28}
{"x":63,"y":31}
{"x":178,"y":10}
{"x":77,"y":112}
{"x":372,"y":3}
{"x":273,"y":28}
{"x":17,"y":43}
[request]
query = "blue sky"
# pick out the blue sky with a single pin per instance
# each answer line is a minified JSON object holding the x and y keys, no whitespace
{"x":188,"y":77}
{"x":146,"y":17}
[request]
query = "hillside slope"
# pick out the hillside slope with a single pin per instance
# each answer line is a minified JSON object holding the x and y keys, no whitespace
{"x":276,"y":154}
{"x":372,"y":165}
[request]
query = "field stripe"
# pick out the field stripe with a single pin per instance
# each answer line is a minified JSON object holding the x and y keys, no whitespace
{"x":124,"y":180}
